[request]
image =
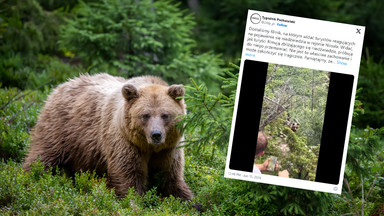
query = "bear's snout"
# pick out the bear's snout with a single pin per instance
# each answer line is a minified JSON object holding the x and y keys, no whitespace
{"x":156,"y":137}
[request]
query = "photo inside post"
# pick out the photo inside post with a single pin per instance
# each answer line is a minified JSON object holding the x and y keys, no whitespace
{"x":294,"y":102}
{"x":291,"y":121}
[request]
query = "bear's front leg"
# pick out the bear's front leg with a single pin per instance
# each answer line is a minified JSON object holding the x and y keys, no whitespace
{"x":128,"y":168}
{"x":174,"y":183}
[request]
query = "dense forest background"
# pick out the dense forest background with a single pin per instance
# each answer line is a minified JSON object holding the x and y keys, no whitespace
{"x":197,"y":43}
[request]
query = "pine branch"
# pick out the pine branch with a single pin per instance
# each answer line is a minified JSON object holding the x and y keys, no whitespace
{"x":16,"y":98}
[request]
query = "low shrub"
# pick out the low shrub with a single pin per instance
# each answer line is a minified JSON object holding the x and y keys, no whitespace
{"x":40,"y":193}
{"x":18,"y":114}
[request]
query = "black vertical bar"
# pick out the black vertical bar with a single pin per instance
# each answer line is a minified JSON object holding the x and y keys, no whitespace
{"x":334,"y":128}
{"x":248,"y":115}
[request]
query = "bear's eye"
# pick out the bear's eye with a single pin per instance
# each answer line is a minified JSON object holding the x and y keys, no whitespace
{"x":145,"y":116}
{"x":165,"y":116}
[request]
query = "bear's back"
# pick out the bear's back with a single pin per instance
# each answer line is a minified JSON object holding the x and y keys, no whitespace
{"x":103,"y":84}
{"x":142,"y":81}
{"x":68,"y":127}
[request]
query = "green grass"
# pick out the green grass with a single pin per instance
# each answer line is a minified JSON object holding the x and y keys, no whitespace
{"x":41,"y":193}
{"x":19,"y":111}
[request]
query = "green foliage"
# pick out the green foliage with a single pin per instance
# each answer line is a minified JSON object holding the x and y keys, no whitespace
{"x":109,"y":30}
{"x":126,"y":38}
{"x":222,"y":196}
{"x":371,"y":82}
{"x":300,"y":93}
{"x":364,"y":175}
{"x":54,"y":72}
{"x":84,"y":181}
{"x":41,"y":193}
{"x":51,"y":5}
{"x":301,"y":160}
{"x":14,"y":71}
{"x":27,"y":28}
{"x":27,"y":35}
{"x":137,"y":38}
{"x":18,"y":114}
{"x":364,"y":148}
{"x":294,"y":95}
{"x":152,"y":204}
{"x":292,"y":151}
{"x":209,"y":118}
{"x":360,"y":199}
{"x":358,"y":109}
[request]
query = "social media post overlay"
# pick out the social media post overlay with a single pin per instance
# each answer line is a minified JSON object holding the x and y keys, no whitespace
{"x":293,"y":108}
{"x":303,"y":42}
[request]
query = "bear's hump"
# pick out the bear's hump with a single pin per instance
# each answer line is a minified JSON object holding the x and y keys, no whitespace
{"x":97,"y":79}
{"x":143,"y":81}
{"x":101,"y":84}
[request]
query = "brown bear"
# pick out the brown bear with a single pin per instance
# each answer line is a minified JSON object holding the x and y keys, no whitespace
{"x":123,"y":128}
{"x":294,"y":126}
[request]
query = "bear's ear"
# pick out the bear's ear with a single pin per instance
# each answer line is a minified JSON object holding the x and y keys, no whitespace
{"x":129,"y":92}
{"x":176,"y":91}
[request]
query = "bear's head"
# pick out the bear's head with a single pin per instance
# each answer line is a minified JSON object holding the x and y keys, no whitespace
{"x":295,"y":126}
{"x":151,"y":115}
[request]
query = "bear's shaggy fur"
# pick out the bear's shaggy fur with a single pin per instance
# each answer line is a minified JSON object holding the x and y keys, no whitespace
{"x":124,"y":128}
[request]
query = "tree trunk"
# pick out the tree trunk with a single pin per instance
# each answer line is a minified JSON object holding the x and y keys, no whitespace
{"x":194,"y":5}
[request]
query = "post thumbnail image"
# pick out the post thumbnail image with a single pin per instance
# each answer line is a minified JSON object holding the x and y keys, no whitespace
{"x":291,"y":122}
